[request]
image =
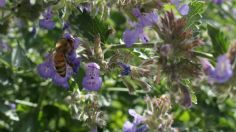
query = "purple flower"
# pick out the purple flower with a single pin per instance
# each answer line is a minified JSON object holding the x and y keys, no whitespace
{"x":2,"y":3}
{"x":207,"y":67}
{"x":223,"y":70}
{"x":46,"y":69}
{"x":136,"y":12}
{"x":47,"y":22}
{"x":134,"y":126}
{"x":221,"y":73}
{"x":148,"y":19}
{"x":131,"y":36}
{"x":92,"y":80}
{"x":218,"y":1}
{"x":126,"y":70}
{"x":184,"y":9}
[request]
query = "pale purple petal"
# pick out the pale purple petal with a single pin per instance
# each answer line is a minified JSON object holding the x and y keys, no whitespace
{"x":223,"y":71}
{"x":129,"y":127}
{"x":92,"y":83}
{"x":184,"y":9}
{"x":130,"y":37}
{"x":136,"y":12}
{"x":137,"y":118}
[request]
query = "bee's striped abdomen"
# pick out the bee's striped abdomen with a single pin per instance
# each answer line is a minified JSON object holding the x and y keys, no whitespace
{"x":60,"y":64}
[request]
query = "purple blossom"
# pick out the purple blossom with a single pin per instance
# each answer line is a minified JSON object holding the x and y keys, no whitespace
{"x":46,"y":69}
{"x":183,"y":9}
{"x":134,"y":126}
{"x":207,"y":67}
{"x":223,"y":70}
{"x":2,"y":3}
{"x":47,"y":22}
{"x":136,"y":12}
{"x":218,"y":1}
{"x":92,"y":80}
{"x":221,"y":73}
{"x":130,"y":36}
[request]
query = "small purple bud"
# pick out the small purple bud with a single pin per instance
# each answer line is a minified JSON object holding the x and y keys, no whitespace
{"x":166,"y":50}
{"x":187,"y":101}
{"x":2,"y":3}
{"x":126,"y":70}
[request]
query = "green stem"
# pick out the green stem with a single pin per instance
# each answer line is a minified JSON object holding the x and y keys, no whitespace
{"x":152,"y":45}
{"x":136,"y":45}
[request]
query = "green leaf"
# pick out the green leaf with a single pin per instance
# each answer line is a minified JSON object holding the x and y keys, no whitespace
{"x":219,"y":41}
{"x":19,"y":58}
{"x":90,"y":26}
{"x":197,"y":8}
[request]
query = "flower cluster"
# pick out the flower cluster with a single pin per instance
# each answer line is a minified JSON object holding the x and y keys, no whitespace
{"x":144,"y":20}
{"x":183,"y":9}
{"x":47,"y":68}
{"x":92,"y":80}
{"x":221,"y":73}
{"x":47,"y":22}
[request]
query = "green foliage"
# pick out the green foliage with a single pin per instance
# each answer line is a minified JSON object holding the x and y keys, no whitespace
{"x":219,"y":40}
{"x":197,"y":8}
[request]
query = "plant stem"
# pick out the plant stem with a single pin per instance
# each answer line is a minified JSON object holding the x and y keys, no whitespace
{"x":152,"y":45}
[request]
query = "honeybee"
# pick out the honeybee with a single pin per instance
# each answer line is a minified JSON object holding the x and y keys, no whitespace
{"x":60,"y":55}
